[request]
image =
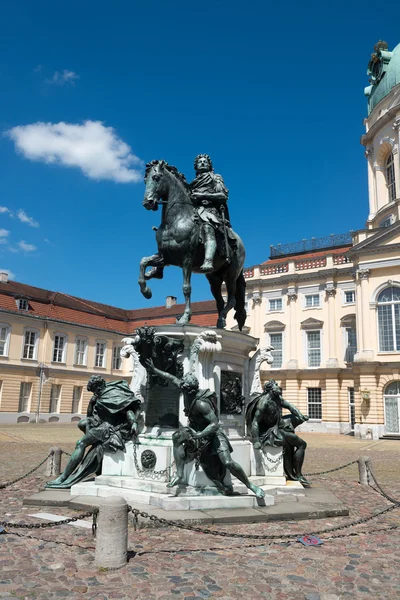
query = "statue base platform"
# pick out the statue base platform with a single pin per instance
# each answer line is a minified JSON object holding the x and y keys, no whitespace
{"x":123,"y":474}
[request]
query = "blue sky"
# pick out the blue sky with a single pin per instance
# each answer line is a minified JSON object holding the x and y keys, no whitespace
{"x":274,"y":93}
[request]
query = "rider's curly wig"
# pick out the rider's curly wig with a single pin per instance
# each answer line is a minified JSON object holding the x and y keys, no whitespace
{"x":203,"y":156}
{"x":96,"y":382}
{"x":268,"y":387}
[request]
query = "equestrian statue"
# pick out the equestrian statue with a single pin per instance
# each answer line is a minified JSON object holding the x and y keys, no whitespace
{"x":195,"y":234}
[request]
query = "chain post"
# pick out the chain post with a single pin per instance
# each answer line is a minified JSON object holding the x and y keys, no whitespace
{"x":112,"y":534}
{"x":363,"y":464}
{"x":53,"y":467}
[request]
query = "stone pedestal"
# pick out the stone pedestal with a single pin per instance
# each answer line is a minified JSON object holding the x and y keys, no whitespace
{"x":141,"y":473}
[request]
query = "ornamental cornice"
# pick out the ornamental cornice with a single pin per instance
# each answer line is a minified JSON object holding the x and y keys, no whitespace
{"x":285,"y":281}
{"x":367,"y":138}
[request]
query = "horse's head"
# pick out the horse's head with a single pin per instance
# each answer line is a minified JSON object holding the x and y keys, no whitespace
{"x":156,"y":186}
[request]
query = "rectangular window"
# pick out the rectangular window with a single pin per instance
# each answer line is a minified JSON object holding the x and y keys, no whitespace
{"x":352,"y":408}
{"x":313,"y":348}
{"x":55,"y":395}
{"x":385,"y":322}
{"x":76,"y":399}
{"x":4,"y":332}
{"x":25,"y":397}
{"x":22,"y":304}
{"x":81,"y":351}
{"x":312,"y":300}
{"x":30,"y":344}
{"x":276,"y":341}
{"x":351,"y":344}
{"x":275,"y":304}
{"x":116,"y":357}
{"x":349,"y":297}
{"x":314,"y":398}
{"x":100,"y":358}
{"x":60,"y":342}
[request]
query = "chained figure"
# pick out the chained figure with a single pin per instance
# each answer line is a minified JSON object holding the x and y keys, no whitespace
{"x":210,"y":195}
{"x":267,"y":427}
{"x":203,"y":439}
{"x":111,"y":420}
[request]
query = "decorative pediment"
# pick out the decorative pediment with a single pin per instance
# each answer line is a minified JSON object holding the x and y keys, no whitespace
{"x":348,"y":321}
{"x":274,"y":326}
{"x":384,"y":238}
{"x":311,"y":324}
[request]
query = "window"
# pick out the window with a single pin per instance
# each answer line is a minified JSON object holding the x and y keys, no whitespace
{"x":349,"y":297}
{"x":352,"y":408}
{"x":312,"y":300}
{"x":275,"y":304}
{"x":81,"y":345}
{"x":314,"y":403}
{"x":100,"y":358}
{"x":4,"y":339}
{"x":389,"y":319}
{"x":60,"y":347}
{"x":313,"y":348}
{"x":392,"y":407}
{"x":351,"y":344}
{"x":76,"y":399}
{"x":25,"y":397}
{"x":31,"y":339}
{"x":275,"y":340}
{"x":22,"y":303}
{"x":387,"y":221}
{"x":55,"y":395}
{"x":116,"y":357}
{"x":390,"y":177}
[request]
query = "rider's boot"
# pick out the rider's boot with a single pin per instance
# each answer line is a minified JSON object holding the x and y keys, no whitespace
{"x":209,"y":251}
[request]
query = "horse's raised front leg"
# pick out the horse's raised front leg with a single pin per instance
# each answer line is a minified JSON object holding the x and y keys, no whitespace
{"x":187,"y":292}
{"x":156,"y":260}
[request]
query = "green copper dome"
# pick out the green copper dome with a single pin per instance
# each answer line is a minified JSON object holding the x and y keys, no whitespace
{"x":384,"y":72}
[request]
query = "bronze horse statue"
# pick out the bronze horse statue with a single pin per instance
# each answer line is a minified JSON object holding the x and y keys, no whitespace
{"x":179,"y":244}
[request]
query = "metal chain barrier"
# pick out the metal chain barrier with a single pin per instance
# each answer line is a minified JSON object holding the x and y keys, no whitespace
{"x":93,"y":514}
{"x":275,"y":463}
{"x":8,"y":483}
{"x":353,"y":462}
{"x":370,"y":475}
{"x":137,"y":513}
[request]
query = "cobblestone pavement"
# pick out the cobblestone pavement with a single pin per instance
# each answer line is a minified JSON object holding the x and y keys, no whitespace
{"x":170,"y":563}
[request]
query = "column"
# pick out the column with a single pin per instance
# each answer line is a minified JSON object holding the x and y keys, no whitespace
{"x":258,"y":328}
{"x":292,"y":333}
{"x":332,"y":361}
{"x":365,"y":352}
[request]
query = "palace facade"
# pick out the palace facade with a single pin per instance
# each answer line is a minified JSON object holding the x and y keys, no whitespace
{"x":51,"y":343}
{"x":331,"y":307}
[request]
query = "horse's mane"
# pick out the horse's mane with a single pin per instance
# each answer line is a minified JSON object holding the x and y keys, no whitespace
{"x":169,"y":168}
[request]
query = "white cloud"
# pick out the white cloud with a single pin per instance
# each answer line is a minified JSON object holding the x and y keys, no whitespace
{"x":4,"y":233}
{"x":11,"y":275}
{"x":4,"y":209}
{"x":24,"y":218}
{"x":38,"y":69}
{"x":92,"y":147}
{"x":63,"y":78}
{"x":26,"y":247}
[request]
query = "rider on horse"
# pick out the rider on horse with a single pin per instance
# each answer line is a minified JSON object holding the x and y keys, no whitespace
{"x":210,"y":195}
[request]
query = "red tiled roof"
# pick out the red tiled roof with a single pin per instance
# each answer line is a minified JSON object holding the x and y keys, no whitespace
{"x":62,"y":307}
{"x":306,"y":255}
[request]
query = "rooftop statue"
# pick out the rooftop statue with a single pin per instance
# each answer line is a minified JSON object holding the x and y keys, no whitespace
{"x":195,"y":234}
{"x":267,"y":427}
{"x":111,"y":420}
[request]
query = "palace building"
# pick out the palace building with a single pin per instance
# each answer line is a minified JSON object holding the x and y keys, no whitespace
{"x":331,"y":307}
{"x":51,"y":343}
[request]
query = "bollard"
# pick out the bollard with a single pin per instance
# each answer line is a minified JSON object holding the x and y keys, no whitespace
{"x":53,"y":466}
{"x":362,"y":469}
{"x":112,"y":533}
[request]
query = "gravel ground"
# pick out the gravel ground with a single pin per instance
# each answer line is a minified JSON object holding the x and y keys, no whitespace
{"x":168,"y":563}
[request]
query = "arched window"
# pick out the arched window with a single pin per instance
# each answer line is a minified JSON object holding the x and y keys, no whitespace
{"x":392,"y":407}
{"x":389,"y":319}
{"x":390,"y":177}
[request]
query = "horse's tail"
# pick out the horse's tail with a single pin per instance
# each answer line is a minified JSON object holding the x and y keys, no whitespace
{"x":240,"y":295}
